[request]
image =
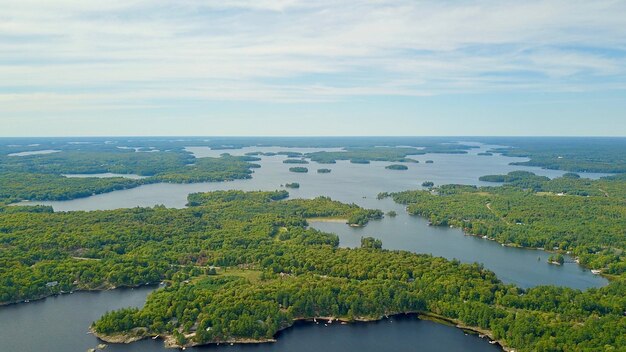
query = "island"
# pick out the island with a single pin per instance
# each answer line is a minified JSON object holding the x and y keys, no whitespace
{"x":556,"y":259}
{"x":295,"y":161}
{"x":428,"y":184}
{"x":396,"y":167}
{"x":429,"y":162}
{"x":323,"y":171}
{"x":299,"y":169}
{"x":292,"y":185}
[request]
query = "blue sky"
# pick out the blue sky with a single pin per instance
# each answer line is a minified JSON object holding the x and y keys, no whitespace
{"x":238,"y":67}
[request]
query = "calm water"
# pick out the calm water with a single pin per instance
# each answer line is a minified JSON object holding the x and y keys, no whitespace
{"x":60,"y":323}
{"x":35,"y":152}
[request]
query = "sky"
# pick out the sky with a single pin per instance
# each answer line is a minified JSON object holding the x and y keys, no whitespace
{"x":289,"y":67}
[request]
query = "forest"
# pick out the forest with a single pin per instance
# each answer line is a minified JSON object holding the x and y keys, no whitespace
{"x":273,"y":269}
{"x":570,"y":154}
{"x":127,"y":247}
{"x":40,"y":177}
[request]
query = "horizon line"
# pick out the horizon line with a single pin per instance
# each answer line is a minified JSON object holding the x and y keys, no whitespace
{"x":318,"y":136}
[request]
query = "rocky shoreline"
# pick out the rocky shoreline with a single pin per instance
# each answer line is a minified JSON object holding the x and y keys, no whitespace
{"x":170,"y":341}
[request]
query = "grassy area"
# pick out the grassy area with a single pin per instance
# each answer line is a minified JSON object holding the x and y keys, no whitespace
{"x":251,"y":275}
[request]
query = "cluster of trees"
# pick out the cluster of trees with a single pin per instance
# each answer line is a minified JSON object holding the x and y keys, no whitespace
{"x":397,"y":167}
{"x":366,"y":154}
{"x":371,"y":242}
{"x":292,"y":185}
{"x":299,"y":169}
{"x":556,"y":259}
{"x":363,"y":216}
{"x":582,"y":216}
{"x":323,"y":171}
{"x":295,"y":161}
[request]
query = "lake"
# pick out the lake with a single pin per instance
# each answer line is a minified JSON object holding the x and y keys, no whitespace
{"x":35,"y":152}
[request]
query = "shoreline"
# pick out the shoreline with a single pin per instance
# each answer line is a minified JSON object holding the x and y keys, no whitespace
{"x":170,"y":341}
{"x":77,"y":290}
{"x":337,"y":220}
{"x":515,"y":245}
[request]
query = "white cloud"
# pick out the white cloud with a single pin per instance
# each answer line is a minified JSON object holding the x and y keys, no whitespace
{"x":77,"y":54}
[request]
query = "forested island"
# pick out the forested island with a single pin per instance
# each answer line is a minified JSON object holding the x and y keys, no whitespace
{"x":40,"y":177}
{"x":299,"y":169}
{"x":396,"y":167}
{"x":387,"y":153}
{"x":295,"y":161}
{"x":323,"y":171}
